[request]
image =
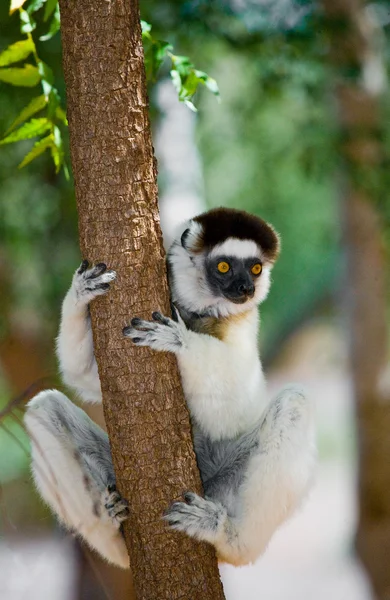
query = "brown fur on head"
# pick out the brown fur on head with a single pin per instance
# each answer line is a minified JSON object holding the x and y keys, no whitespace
{"x":219,"y":224}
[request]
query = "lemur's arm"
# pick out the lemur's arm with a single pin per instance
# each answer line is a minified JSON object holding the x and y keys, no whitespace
{"x":74,"y":343}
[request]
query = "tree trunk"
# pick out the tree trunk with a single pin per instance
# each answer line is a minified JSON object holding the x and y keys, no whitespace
{"x":356,"y":58}
{"x":116,"y":191}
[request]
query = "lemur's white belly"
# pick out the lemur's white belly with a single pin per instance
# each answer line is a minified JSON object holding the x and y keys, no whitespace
{"x":224,"y":390}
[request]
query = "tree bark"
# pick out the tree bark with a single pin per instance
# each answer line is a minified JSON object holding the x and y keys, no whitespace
{"x":356,"y":59}
{"x":115,"y":181}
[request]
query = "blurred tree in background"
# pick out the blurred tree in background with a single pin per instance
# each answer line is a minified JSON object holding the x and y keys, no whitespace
{"x":270,"y":147}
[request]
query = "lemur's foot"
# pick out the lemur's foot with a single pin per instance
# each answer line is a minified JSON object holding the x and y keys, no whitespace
{"x":162,"y":333}
{"x":90,"y":282}
{"x":116,"y":507}
{"x":198,"y":517}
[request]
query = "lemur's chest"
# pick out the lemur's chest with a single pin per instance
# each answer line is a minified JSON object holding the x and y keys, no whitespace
{"x":221,"y":328}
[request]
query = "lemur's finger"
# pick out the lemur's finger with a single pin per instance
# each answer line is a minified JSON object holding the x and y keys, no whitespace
{"x":83,"y":267}
{"x":156,"y":316}
{"x":142,"y":325}
{"x":134,"y":334}
{"x":97,"y":270}
{"x":176,"y":316}
{"x":126,"y":330}
{"x":146,"y":340}
{"x":99,"y":286}
{"x":174,"y":312}
{"x":189,"y":497}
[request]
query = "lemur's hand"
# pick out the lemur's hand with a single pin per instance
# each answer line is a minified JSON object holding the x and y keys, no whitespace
{"x":162,"y":333}
{"x":90,"y":282}
{"x":116,"y":507}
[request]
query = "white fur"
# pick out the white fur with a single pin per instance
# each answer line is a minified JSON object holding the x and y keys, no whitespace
{"x":238,"y":248}
{"x":61,"y":481}
{"x":223,"y":381}
{"x":74,"y":343}
{"x":277,"y":479}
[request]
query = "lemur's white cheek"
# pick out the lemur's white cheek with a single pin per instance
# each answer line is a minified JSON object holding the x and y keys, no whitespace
{"x":263,"y":284}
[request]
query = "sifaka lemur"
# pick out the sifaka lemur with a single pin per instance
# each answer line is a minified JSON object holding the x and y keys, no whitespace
{"x":256,"y":455}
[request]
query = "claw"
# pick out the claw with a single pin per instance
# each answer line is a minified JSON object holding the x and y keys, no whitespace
{"x":175,"y":313}
{"x":136,"y":321}
{"x":189,"y":497}
{"x":156,"y":316}
{"x":98,"y":270}
{"x":83,"y":267}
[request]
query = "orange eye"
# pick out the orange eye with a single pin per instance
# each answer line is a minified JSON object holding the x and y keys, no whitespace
{"x":223,"y":267}
{"x":256,"y":269}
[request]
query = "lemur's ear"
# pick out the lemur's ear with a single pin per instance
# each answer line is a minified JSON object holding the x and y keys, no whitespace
{"x":184,"y":237}
{"x":191,"y":237}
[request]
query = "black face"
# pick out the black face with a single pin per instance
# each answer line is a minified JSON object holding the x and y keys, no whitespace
{"x":233,"y":278}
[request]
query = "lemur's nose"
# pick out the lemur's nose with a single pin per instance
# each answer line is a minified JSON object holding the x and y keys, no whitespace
{"x":247,"y":289}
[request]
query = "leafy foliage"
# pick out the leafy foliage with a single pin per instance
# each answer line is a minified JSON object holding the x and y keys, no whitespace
{"x":185,"y":78}
{"x":30,"y":75}
{"x":26,"y":76}
{"x":27,"y":131}
{"x":16,"y":52}
{"x":37,"y":104}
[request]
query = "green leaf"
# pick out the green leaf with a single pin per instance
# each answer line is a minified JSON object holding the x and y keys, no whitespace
{"x":60,"y":115}
{"x":57,"y":151}
{"x":182,"y":64}
{"x":54,"y":26}
{"x":39,"y":148}
{"x":155,"y":53}
{"x":176,"y":80}
{"x":54,"y":102}
{"x":181,"y":60}
{"x":16,"y":52}
{"x":186,"y":85}
{"x":46,"y":72}
{"x":49,"y":9}
{"x":47,"y":77}
{"x":27,"y":23}
{"x":28,"y":111}
{"x":190,"y":105}
{"x":209,"y":82}
{"x":27,"y":76}
{"x":145,"y":27}
{"x":212,"y":85}
{"x":187,"y":79}
{"x":29,"y":130}
{"x":190,"y":85}
{"x":34,"y":6}
{"x":160,"y":50}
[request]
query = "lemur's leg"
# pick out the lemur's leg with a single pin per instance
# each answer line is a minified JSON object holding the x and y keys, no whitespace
{"x":74,"y":343}
{"x":72,"y":469}
{"x":277,"y":477}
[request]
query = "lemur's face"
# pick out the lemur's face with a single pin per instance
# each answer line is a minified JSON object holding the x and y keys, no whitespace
{"x":233,"y":270}
{"x":221,"y":263}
